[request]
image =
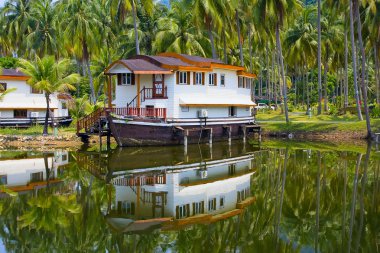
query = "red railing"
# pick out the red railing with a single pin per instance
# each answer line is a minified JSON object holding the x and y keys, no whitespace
{"x":90,"y":120}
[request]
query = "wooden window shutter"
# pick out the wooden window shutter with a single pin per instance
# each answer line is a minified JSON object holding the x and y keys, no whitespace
{"x":177,"y":77}
{"x":118,"y":79}
{"x":188,"y":77}
{"x":133,"y":79}
{"x":193,"y":208}
{"x":214,"y":204}
{"x":187,"y":210}
{"x":177,"y":212}
{"x":215,"y":79}
{"x":203,"y":78}
{"x":194,"y":78}
{"x":202,"y":206}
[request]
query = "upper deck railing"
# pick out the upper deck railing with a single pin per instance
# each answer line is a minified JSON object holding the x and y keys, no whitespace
{"x":90,"y":120}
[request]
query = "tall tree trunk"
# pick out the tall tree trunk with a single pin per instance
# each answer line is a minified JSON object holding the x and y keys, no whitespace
{"x":250,"y":50}
{"x":46,"y":123}
{"x":285,"y":88}
{"x":363,"y":84}
{"x":135,"y":27}
{"x":325,"y":80}
{"x":345,"y":68}
{"x":239,"y":37}
{"x":268,"y":75}
{"x":377,"y":74}
{"x":318,"y":182}
{"x":225,"y":46}
{"x":354,"y":67}
{"x":86,"y":59}
{"x":211,"y":37}
{"x":319,"y":60}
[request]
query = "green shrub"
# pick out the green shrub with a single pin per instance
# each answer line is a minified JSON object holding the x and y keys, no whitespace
{"x":375,"y":112}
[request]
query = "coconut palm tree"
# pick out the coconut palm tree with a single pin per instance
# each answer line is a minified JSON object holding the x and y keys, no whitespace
{"x":50,"y":77}
{"x":206,"y":14}
{"x":122,"y":6}
{"x":178,"y":34}
{"x":276,"y":14}
{"x":43,"y":38}
{"x":80,"y":28}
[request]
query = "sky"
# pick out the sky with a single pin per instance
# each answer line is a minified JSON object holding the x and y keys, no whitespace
{"x":2,"y":3}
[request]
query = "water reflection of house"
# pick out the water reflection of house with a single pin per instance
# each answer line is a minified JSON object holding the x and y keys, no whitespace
{"x":182,"y":195}
{"x":21,"y":172}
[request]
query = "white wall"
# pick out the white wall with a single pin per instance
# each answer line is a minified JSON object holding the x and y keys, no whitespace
{"x":125,"y":94}
{"x":22,"y":98}
{"x":18,"y":171}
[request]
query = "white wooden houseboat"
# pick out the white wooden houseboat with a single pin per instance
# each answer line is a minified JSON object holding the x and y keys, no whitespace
{"x":27,"y":106}
{"x":176,"y":99}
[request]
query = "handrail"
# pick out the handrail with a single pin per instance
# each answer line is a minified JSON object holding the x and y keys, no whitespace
{"x":133,"y":101}
{"x":89,"y":121}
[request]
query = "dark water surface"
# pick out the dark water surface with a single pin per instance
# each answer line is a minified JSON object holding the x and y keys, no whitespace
{"x":277,"y":197}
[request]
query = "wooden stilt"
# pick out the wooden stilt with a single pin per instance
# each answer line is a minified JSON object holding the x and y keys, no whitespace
{"x":210,"y":137}
{"x":244,"y":134}
{"x":185,"y":135}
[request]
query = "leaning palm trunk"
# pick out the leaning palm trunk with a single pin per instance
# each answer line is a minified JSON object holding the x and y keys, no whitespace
{"x":86,"y":59}
{"x":377,"y":75}
{"x":345,"y":69}
{"x":319,"y":60}
{"x":225,"y":46}
{"x":211,"y":37}
{"x":354,"y":68}
{"x":325,"y":79}
{"x":47,"y":97}
{"x":363,"y":85}
{"x":239,"y":38}
{"x":135,"y":28}
{"x":285,"y":88}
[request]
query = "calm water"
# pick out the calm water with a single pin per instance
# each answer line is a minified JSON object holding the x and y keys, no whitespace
{"x":275,"y":198}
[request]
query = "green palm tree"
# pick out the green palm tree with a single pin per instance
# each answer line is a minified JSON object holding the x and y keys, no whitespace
{"x":80,"y":28}
{"x":206,"y":14}
{"x":276,"y":14}
{"x":122,"y":6}
{"x":17,"y":14}
{"x":178,"y":34}
{"x":43,"y":38}
{"x":50,"y":77}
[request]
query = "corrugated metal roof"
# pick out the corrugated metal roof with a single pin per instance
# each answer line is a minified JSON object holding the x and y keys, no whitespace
{"x":200,"y":59}
{"x":11,"y":72}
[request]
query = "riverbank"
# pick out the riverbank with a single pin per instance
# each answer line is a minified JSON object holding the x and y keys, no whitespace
{"x":328,"y":131}
{"x":323,"y":127}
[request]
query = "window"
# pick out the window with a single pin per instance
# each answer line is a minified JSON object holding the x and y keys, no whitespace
{"x":64,"y":105}
{"x":183,"y":211}
{"x":248,"y":83}
{"x":20,"y":113}
{"x":183,"y":77}
{"x":185,"y":109}
{"x":232,"y":111}
{"x":241,"y":82}
{"x":222,"y":80}
{"x":242,"y":195}
{"x":212,"y":79}
{"x":64,"y":158}
{"x":198,"y":78}
{"x":3,"y":87}
{"x":212,"y":204}
{"x":126,"y":79}
{"x":35,"y":91}
{"x":36,"y":177}
{"x":3,"y":180}
{"x":221,"y":201}
{"x":198,"y":207}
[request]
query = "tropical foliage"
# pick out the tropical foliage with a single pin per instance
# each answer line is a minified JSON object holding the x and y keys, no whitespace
{"x":307,"y":53}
